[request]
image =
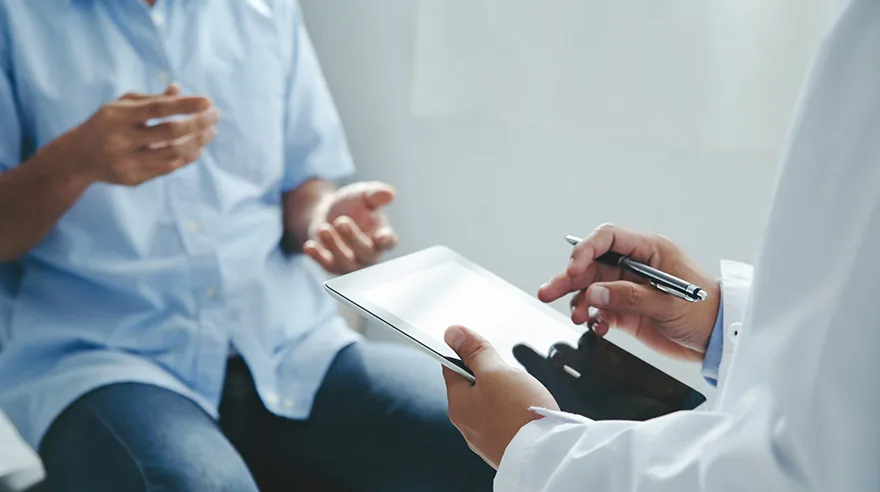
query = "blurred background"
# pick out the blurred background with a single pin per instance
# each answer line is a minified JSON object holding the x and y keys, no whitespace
{"x":507,"y":124}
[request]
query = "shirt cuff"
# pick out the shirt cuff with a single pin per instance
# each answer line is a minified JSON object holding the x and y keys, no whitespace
{"x":712,"y":360}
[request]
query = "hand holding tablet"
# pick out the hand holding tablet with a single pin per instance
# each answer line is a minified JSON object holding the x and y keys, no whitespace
{"x":420,"y":295}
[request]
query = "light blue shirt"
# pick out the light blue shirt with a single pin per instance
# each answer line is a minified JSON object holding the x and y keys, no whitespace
{"x":715,"y":349}
{"x":152,"y":284}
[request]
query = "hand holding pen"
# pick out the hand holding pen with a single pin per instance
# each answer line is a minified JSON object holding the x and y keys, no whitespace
{"x":622,"y":296}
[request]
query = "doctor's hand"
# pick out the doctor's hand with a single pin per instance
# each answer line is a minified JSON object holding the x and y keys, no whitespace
{"x":606,"y":297}
{"x":490,"y":412}
{"x":350,"y":230}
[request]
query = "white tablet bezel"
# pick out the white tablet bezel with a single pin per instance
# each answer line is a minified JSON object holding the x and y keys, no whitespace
{"x":349,"y":289}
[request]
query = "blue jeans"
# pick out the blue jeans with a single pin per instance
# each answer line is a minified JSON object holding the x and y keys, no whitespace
{"x":379,"y":424}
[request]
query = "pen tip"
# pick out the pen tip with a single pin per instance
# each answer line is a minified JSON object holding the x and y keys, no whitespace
{"x":573,"y":240}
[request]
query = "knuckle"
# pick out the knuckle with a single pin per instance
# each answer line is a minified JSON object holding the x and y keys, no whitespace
{"x":631,"y":295}
{"x":114,"y":143}
{"x":167,"y":131}
{"x":474,"y":352}
{"x":664,"y":243}
{"x":154,"y":108}
{"x":605,"y":227}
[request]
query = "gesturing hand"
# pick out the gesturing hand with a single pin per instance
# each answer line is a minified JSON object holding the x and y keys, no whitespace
{"x":117,"y":145}
{"x":663,"y":322}
{"x":350,"y":230}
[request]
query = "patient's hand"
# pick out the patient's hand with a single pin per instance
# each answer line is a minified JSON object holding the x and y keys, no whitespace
{"x":665,"y":323}
{"x":116,"y":145}
{"x":350,"y":230}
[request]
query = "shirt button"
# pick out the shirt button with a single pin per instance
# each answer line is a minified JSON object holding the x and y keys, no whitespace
{"x":158,"y":19}
{"x":734,"y":329}
{"x":192,"y":225}
{"x":271,"y":399}
{"x":164,"y":77}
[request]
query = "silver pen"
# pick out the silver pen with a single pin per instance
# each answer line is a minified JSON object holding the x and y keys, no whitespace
{"x":661,"y":280}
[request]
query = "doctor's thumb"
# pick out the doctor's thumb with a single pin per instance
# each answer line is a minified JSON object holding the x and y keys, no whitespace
{"x":628,"y":297}
{"x":475,"y":352}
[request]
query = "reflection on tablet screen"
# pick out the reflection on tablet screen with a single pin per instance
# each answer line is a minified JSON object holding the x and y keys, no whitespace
{"x":451,"y":294}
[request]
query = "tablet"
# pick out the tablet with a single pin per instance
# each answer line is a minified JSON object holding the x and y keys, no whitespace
{"x":420,"y":295}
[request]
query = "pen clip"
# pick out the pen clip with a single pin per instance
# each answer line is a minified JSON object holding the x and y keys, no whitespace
{"x":676,"y":293}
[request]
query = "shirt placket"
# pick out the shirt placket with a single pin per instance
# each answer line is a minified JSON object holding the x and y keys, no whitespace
{"x":147,"y":29}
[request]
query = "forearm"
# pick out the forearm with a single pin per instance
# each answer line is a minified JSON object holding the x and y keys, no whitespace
{"x":301,"y":206}
{"x":34,"y":195}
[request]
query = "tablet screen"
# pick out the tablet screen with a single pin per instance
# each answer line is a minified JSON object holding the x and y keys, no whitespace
{"x":424,"y":299}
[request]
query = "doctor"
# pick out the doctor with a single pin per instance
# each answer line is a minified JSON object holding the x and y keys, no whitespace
{"x":796,"y":407}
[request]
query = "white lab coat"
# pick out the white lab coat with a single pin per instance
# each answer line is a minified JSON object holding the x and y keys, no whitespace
{"x":798,"y":399}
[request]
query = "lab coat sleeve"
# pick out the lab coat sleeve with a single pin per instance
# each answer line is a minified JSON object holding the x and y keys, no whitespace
{"x":685,"y":451}
{"x":736,"y":281}
{"x":563,"y":453}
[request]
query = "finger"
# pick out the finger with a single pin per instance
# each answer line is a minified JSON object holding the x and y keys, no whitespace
{"x":376,"y":194}
{"x":361,"y":245}
{"x":457,"y":389}
{"x":135,"y":96}
{"x":343,"y":257}
{"x":561,"y":284}
{"x":176,"y":152}
{"x":172,"y":90}
{"x":320,"y":254}
{"x":170,"y":131}
{"x":601,"y":321}
{"x":477,"y":354}
{"x":630,"y":298}
{"x":579,"y":309}
{"x":607,"y":237}
{"x":455,"y":383}
{"x":385,"y":239}
{"x":165,"y":106}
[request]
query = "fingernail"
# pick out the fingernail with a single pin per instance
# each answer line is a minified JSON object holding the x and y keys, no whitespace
{"x":543,"y":286}
{"x":454,"y":337}
{"x":600,"y":296}
{"x":573,"y":307}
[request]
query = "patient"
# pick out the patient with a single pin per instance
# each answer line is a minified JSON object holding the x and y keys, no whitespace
{"x":168,"y":329}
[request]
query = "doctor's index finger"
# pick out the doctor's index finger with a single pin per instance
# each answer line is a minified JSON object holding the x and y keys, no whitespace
{"x":609,"y":237}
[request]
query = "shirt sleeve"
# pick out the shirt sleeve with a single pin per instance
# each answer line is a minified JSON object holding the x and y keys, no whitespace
{"x":315,"y":143}
{"x":712,"y":360}
{"x":10,"y":127}
{"x":736,"y":281}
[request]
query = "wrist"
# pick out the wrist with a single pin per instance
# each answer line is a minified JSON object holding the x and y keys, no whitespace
{"x":69,"y":161}
{"x":305,"y":210}
{"x":63,"y":162}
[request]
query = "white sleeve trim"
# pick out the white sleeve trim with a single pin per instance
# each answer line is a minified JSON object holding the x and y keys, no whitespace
{"x":736,"y":282}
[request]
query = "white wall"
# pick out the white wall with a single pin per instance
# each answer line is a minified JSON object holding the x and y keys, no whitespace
{"x":507,"y":124}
